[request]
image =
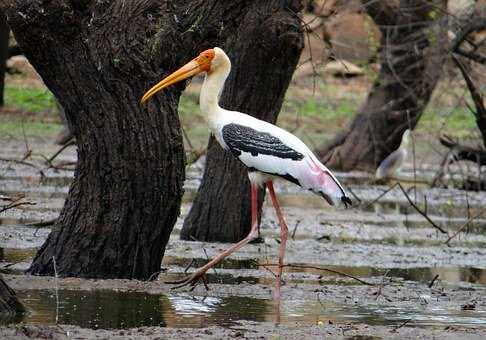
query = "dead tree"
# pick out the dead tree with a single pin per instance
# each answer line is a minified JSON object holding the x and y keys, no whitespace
{"x":98,"y":58}
{"x":471,"y":53}
{"x":264,"y":51}
{"x":466,"y":52}
{"x":413,"y":49}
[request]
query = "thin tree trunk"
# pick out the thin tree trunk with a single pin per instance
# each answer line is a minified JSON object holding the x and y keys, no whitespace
{"x":4,"y":35}
{"x":264,"y":52}
{"x":98,"y":58}
{"x":413,"y":50}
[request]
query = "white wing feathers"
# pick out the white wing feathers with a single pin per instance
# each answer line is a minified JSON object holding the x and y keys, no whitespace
{"x":268,"y":149}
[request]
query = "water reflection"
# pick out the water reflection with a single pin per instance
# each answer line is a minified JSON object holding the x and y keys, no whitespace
{"x":452,"y":275}
{"x":116,"y":310}
{"x":379,"y":314}
{"x":119,"y":310}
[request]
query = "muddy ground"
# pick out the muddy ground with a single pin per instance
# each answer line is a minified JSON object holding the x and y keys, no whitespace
{"x":386,"y":244}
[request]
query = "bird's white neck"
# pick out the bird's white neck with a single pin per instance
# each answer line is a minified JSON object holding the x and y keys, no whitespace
{"x":211,"y":89}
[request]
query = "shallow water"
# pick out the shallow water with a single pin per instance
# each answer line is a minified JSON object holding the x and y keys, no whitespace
{"x":388,"y":224}
{"x":120,"y":310}
{"x":451,"y":275}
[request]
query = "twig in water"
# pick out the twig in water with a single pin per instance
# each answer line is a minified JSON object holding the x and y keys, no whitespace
{"x":295,"y":229}
{"x":14,"y":202}
{"x":267,"y":269}
{"x":28,"y":150}
{"x":16,"y":161}
{"x":42,"y":223}
{"x":320,"y":268}
{"x":8,"y":265}
{"x":208,"y":258}
{"x":63,"y":166}
{"x":380,"y":196}
{"x":421,"y":212}
{"x":401,"y":325}
{"x":58,"y":152}
{"x":443,"y":169}
{"x":380,"y":287}
{"x":57,"y":288}
{"x":189,"y":265}
{"x":154,"y":275}
{"x":354,"y":195}
{"x":431,"y":284}
{"x":461,"y":228}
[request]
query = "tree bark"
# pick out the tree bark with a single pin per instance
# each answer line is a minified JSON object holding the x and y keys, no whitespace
{"x":264,"y":52}
{"x":98,"y":58}
{"x":414,"y":48}
{"x":10,"y":306}
{"x":4,"y":35}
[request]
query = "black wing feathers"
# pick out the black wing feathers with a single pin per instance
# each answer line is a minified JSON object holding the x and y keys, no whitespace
{"x":240,"y":138}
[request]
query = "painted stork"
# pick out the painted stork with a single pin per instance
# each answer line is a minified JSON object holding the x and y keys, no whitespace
{"x":267,"y":151}
{"x":392,"y":165}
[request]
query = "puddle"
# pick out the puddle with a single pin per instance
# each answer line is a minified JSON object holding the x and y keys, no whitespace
{"x":119,"y":310}
{"x":450,"y":275}
{"x":116,"y":310}
{"x":391,"y":224}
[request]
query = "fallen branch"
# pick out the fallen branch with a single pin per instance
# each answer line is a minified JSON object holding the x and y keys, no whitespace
{"x":443,"y":169}
{"x":421,"y":212}
{"x":65,"y":165}
{"x":401,"y":325}
{"x":295,"y":229}
{"x":58,"y":152}
{"x":319,"y":268}
{"x":431,"y":284}
{"x":380,"y":196}
{"x":42,"y":223}
{"x":461,"y":228}
{"x":14,"y":203}
{"x":354,"y":195}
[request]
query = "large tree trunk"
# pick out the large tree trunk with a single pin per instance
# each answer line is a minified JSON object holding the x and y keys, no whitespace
{"x":10,"y":306}
{"x":413,"y":51}
{"x":98,"y":58}
{"x":4,"y":35}
{"x":264,"y":52}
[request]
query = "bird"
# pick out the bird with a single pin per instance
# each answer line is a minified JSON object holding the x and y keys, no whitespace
{"x":392,"y":164}
{"x":267,"y":151}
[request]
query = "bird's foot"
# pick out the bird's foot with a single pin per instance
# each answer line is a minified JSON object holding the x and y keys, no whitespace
{"x":193,"y":281}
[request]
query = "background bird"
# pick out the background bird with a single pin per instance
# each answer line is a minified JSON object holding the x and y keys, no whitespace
{"x":267,"y":151}
{"x":391,"y":165}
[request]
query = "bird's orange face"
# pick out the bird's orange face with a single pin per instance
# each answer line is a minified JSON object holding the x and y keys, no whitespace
{"x":202,"y":63}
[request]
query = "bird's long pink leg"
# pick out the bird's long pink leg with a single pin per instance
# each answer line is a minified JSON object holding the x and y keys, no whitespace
{"x":253,"y":233}
{"x":283,"y":237}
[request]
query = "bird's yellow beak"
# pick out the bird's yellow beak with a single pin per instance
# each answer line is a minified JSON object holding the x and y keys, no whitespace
{"x":200,"y":64}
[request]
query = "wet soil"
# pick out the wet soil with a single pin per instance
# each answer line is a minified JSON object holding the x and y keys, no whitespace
{"x":414,"y":284}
